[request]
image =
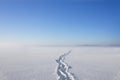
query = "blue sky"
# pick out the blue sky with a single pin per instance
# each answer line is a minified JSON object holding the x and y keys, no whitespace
{"x":60,"y":22}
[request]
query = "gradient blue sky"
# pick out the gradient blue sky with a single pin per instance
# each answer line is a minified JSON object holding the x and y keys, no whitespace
{"x":60,"y":22}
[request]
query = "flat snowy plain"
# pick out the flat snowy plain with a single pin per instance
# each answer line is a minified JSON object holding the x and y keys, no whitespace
{"x":39,"y":63}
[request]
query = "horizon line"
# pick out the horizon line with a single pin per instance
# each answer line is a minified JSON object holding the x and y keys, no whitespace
{"x":83,"y":45}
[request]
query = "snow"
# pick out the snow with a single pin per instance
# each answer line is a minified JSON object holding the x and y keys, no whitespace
{"x":39,"y":63}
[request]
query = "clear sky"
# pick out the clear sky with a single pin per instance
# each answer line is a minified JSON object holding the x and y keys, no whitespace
{"x":60,"y":22}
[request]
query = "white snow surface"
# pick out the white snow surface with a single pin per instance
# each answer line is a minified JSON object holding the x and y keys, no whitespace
{"x":39,"y":63}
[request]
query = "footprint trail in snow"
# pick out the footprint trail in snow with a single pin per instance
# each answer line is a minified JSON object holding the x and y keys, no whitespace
{"x":63,"y":69}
